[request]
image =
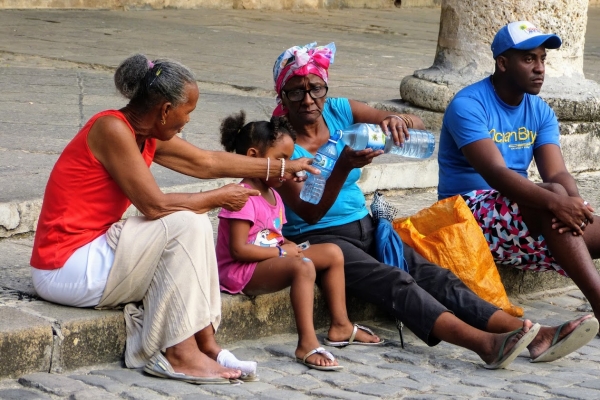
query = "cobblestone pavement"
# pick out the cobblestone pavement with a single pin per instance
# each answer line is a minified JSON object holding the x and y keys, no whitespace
{"x":415,"y":372}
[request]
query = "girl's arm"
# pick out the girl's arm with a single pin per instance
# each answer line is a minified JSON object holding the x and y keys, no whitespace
{"x":243,"y":251}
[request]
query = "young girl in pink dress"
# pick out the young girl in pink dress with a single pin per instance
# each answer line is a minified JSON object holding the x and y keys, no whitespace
{"x":254,"y":258}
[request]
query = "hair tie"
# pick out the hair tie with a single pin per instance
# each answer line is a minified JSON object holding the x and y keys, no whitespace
{"x":150,"y":64}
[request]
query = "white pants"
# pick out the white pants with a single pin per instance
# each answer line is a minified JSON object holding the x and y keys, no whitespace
{"x":81,"y":281}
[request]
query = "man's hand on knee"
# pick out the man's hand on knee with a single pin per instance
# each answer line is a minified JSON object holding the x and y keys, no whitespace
{"x":573,"y":215}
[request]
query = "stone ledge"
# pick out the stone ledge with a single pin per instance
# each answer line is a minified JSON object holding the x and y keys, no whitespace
{"x":518,"y":282}
{"x":572,"y":99}
{"x":21,"y":216}
{"x":38,"y":336}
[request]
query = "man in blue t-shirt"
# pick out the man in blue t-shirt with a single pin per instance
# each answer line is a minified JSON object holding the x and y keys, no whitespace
{"x":491,"y":132}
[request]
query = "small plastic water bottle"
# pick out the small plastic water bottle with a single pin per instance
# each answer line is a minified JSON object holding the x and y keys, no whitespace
{"x":420,"y":144}
{"x":325,"y":161}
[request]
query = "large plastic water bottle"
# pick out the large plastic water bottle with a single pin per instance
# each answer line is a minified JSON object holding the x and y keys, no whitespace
{"x":420,"y":144}
{"x":325,"y":161}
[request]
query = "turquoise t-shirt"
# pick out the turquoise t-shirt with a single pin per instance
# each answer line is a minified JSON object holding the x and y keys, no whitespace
{"x":350,"y":204}
{"x":476,"y":113}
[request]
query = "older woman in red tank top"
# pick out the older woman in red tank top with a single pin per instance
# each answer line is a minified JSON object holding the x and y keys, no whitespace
{"x":85,"y":256}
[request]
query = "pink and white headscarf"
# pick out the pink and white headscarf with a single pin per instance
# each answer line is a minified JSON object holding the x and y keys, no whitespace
{"x":301,"y":61}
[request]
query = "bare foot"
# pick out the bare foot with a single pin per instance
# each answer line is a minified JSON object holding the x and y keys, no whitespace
{"x":492,"y":355}
{"x":543,"y":340}
{"x":199,"y":365}
{"x":315,"y":359}
{"x":338,"y":333}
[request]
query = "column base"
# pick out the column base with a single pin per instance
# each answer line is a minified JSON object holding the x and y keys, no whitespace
{"x":572,"y":98}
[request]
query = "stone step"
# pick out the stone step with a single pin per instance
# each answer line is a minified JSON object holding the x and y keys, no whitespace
{"x":579,"y":140}
{"x":36,"y":335}
{"x":39,"y":336}
{"x":20,"y":216}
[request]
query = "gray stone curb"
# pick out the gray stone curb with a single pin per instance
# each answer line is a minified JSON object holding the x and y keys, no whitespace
{"x":37,"y":336}
{"x":21,"y":216}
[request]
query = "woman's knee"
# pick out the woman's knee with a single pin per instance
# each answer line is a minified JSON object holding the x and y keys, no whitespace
{"x":187,"y":223}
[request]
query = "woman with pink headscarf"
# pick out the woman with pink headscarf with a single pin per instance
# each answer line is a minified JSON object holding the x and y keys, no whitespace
{"x":430,"y":300}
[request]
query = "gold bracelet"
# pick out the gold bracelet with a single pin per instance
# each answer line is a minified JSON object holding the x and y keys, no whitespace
{"x":408,"y":123}
{"x":268,"y":168}
{"x":282,"y":169}
{"x":409,"y":120}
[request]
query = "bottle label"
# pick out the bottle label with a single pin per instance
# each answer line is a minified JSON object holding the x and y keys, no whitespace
{"x":376,"y":140}
{"x":323,"y":163}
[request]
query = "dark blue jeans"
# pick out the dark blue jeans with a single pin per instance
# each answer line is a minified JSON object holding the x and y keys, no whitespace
{"x":416,"y":298}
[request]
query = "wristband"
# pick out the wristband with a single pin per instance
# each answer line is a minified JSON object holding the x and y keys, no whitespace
{"x":282,"y":252}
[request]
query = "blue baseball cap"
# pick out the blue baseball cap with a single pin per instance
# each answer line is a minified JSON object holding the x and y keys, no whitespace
{"x":522,"y":35}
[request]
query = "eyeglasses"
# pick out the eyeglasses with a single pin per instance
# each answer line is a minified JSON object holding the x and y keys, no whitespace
{"x":299,"y":94}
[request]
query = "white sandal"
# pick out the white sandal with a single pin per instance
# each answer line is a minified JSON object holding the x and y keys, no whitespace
{"x":320,"y":350}
{"x":350,"y":341}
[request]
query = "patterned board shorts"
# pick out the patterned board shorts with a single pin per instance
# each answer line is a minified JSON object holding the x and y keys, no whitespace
{"x":509,"y":238}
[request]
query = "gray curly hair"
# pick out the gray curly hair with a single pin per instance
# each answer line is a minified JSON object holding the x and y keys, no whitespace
{"x":147,"y":83}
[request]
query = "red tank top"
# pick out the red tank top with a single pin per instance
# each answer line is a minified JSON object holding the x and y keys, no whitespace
{"x":81,"y":200}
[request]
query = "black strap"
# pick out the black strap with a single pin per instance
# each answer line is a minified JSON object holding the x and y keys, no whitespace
{"x":400,"y":325}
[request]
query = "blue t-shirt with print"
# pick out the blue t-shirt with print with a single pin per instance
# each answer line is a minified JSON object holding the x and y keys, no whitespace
{"x":350,"y":204}
{"x":476,"y":113}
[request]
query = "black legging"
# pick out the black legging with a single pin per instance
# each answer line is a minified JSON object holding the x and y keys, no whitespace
{"x":416,"y":298}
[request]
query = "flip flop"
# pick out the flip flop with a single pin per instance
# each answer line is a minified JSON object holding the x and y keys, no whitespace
{"x":160,"y":366}
{"x":350,"y":341}
{"x":581,"y":335}
{"x":504,"y":360}
{"x":320,"y":350}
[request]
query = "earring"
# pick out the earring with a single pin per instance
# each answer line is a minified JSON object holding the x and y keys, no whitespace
{"x":163,"y":122}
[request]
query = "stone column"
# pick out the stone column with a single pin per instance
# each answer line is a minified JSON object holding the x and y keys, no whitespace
{"x":463,"y":56}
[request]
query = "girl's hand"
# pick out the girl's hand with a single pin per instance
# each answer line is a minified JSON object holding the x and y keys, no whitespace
{"x":291,"y":249}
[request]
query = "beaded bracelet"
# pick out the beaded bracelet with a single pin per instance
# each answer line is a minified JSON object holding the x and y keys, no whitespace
{"x":268,"y":168}
{"x":282,"y":169}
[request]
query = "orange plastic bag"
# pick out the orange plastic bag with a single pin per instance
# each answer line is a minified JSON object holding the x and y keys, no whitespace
{"x":447,"y":234}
